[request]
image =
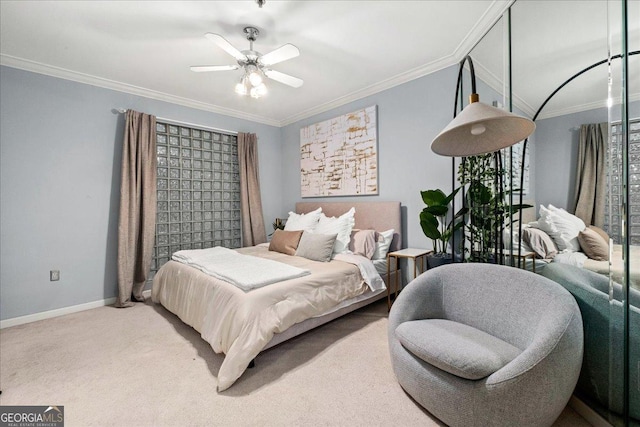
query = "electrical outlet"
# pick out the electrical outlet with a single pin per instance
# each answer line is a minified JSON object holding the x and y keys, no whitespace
{"x":54,"y":275}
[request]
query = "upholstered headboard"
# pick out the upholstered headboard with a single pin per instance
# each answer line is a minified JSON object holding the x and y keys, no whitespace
{"x":379,"y":216}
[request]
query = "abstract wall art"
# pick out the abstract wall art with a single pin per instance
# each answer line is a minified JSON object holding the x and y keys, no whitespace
{"x":339,"y":157}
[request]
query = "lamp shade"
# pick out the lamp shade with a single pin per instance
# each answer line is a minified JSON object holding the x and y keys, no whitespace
{"x":481,"y":129}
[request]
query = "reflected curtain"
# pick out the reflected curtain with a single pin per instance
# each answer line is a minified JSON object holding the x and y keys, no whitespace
{"x":591,"y":174}
{"x":136,"y":228}
{"x":253,"y":231}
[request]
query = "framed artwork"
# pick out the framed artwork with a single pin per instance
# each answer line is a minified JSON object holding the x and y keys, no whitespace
{"x":339,"y":157}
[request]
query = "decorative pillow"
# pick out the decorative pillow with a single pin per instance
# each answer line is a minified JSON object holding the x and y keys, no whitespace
{"x":562,"y":227}
{"x":384,"y":242}
{"x":593,"y":245}
{"x":363,"y":242}
{"x":316,"y":247}
{"x":285,"y":241}
{"x":539,"y":242}
{"x":341,"y":226}
{"x":579,"y":223}
{"x":510,"y":239}
{"x":601,"y":232}
{"x":305,"y":222}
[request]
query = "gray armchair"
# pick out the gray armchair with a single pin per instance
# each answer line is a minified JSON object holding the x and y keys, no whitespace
{"x":486,"y":345}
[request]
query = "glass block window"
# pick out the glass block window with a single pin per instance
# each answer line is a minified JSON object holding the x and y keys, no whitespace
{"x":614,"y":184}
{"x":198,"y":191}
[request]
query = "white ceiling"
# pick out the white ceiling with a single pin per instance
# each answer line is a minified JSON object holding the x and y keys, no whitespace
{"x":554,"y":40}
{"x":349,"y":49}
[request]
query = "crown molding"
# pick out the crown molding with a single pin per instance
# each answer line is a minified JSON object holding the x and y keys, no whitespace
{"x":585,"y":107}
{"x":496,"y":83}
{"x":488,"y":19}
{"x":396,"y":80}
{"x":62,"y":73}
{"x":484,"y":23}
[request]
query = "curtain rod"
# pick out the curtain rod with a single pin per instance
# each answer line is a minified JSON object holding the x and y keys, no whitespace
{"x":178,"y":122}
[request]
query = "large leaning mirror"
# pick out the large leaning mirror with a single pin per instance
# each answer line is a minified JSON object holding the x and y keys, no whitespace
{"x":567,"y":73}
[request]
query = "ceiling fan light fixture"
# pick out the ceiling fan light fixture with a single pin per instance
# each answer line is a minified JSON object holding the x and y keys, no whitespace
{"x":255,"y":76}
{"x":253,"y":64}
{"x":241,"y":87}
{"x":258,"y":91}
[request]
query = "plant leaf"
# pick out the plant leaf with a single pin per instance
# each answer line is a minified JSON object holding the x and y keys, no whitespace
{"x":433,"y":197}
{"x":436,"y":210}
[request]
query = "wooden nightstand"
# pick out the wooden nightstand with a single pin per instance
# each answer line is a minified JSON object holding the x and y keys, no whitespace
{"x":409,"y":253}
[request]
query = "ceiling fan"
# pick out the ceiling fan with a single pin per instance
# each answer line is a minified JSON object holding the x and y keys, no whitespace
{"x":255,"y":64}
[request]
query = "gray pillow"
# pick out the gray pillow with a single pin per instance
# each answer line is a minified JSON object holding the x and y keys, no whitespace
{"x":316,"y":247}
{"x":539,"y":242}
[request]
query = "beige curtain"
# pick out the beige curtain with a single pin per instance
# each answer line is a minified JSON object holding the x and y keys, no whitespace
{"x":136,"y":229}
{"x":253,"y":231}
{"x":591,"y":174}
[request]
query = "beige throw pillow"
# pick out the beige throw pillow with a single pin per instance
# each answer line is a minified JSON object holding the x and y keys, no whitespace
{"x":285,"y":242}
{"x":601,"y":232}
{"x":593,"y":244}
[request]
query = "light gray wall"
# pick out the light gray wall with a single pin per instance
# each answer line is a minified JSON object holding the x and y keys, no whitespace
{"x":409,"y":117}
{"x":556,"y":152}
{"x":60,"y":157}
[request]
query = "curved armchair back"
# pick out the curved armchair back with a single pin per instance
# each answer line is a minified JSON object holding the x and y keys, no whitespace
{"x":493,"y":298}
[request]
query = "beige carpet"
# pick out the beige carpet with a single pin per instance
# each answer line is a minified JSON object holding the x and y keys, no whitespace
{"x":142,"y":366}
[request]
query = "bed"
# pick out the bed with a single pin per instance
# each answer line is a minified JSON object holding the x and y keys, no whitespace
{"x":242,"y":324}
{"x":560,"y":237}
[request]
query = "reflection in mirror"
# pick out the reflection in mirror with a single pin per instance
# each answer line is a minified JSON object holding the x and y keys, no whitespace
{"x":481,"y":234}
{"x":492,"y":71}
{"x":631,"y":216}
{"x":579,"y":159}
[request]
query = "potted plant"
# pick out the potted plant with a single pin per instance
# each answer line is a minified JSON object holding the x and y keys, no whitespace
{"x":489,"y":211}
{"x":433,"y":220}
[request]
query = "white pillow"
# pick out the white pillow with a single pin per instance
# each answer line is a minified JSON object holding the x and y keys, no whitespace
{"x":383,"y":244}
{"x":342,"y":226}
{"x":306,"y":222}
{"x":562,"y":227}
{"x":511,"y":239}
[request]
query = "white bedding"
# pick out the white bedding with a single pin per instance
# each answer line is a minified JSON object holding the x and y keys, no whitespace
{"x":240,"y":324}
{"x":231,"y":266}
{"x":615,"y":269}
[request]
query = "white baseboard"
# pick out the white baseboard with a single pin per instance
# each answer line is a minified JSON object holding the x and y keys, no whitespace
{"x":15,"y":321}
{"x":591,"y":416}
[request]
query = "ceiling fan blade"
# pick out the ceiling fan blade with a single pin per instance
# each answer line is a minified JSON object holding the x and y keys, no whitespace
{"x":204,"y":68}
{"x":282,"y":53}
{"x":226,"y":46}
{"x":284,"y":78}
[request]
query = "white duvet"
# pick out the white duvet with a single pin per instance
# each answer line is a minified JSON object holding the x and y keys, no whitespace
{"x":231,"y":266}
{"x":240,"y":324}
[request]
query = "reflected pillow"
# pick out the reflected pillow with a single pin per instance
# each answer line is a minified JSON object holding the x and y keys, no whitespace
{"x":601,"y":232}
{"x":539,"y":242}
{"x":594,"y":245}
{"x":306,"y":221}
{"x":316,"y":247}
{"x":285,"y":242}
{"x":562,"y":226}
